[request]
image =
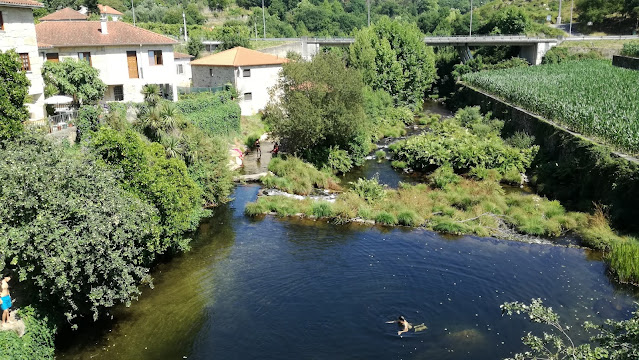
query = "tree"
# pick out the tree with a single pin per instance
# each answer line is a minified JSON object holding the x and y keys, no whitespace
{"x":233,"y":33}
{"x":597,"y":10}
{"x":69,"y":231}
{"x":615,"y":339}
{"x":321,"y":107}
{"x":14,"y":87}
{"x":393,"y":57}
{"x":194,"y":46}
{"x":219,"y":4}
{"x":76,"y":78}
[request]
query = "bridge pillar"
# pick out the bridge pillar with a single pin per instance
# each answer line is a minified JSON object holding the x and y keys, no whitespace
{"x":535,"y":52}
{"x":464,"y":53}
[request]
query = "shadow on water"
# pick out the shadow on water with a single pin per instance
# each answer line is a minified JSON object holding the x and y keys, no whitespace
{"x":165,"y":320}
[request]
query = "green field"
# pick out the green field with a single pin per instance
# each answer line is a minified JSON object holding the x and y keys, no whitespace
{"x":589,"y":97}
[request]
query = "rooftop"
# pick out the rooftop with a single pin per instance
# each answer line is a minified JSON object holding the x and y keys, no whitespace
{"x":89,"y":33}
{"x":65,"y":14}
{"x":239,"y":56}
{"x":107,"y":10}
{"x":179,"y":55}
{"x":21,"y":3}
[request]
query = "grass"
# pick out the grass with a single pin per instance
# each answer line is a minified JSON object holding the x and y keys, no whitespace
{"x":295,"y":176}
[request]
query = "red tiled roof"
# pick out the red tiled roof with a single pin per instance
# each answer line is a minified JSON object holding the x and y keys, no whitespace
{"x":22,"y":3}
{"x":239,"y":56}
{"x":64,"y":14}
{"x":106,"y":9}
{"x":179,"y":55}
{"x":88,"y":33}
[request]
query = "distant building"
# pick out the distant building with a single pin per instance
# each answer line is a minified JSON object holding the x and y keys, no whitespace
{"x":251,"y":72}
{"x":109,"y":12}
{"x":17,"y":32}
{"x":183,"y":69}
{"x":128,"y":57}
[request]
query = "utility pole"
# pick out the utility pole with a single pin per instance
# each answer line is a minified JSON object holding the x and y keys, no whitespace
{"x":186,"y":38}
{"x":572,"y":5}
{"x":368,"y":4}
{"x":470,"y":33}
{"x":133,"y":10}
{"x":559,"y":16}
{"x":264,"y":19}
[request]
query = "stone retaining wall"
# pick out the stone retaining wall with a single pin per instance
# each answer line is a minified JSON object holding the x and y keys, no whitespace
{"x":626,"y":62}
{"x":569,"y":167}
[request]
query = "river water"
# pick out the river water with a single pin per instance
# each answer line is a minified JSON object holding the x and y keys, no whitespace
{"x":273,"y":288}
{"x":290,"y":289}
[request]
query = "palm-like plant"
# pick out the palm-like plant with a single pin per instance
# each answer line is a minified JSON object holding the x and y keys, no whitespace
{"x":151,"y":94}
{"x":172,"y":146}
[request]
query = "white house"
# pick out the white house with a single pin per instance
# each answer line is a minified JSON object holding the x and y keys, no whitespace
{"x":109,"y":12}
{"x":183,"y":69}
{"x":128,"y":57}
{"x":251,"y":72}
{"x":17,"y":32}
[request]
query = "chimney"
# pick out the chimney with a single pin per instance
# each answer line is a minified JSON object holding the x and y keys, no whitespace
{"x":103,"y":24}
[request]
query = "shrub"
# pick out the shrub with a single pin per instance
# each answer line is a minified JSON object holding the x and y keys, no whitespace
{"x":385,"y":218}
{"x":481,"y":173}
{"x":37,"y":341}
{"x":296,"y":176}
{"x":399,"y":115}
{"x":338,"y":160}
{"x":380,"y":155}
{"x":512,"y":176}
{"x":443,"y":177}
{"x":399,"y":164}
{"x":254,"y":209}
{"x":250,"y":141}
{"x":370,"y":190}
{"x":408,"y":218}
{"x":521,"y":140}
{"x":14,"y":88}
{"x":322,"y":209}
{"x":215,"y":113}
{"x":630,"y":49}
{"x":88,"y":120}
{"x":449,"y":226}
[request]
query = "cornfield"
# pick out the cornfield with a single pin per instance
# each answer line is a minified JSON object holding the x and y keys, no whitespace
{"x":590,"y":97}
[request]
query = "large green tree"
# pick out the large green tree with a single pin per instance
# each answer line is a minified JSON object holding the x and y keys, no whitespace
{"x":76,"y":78}
{"x":77,"y":241}
{"x":393,"y":57}
{"x":233,"y":33}
{"x":14,"y":87}
{"x":321,"y":106}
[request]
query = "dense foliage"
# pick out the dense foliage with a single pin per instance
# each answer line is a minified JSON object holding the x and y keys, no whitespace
{"x":320,"y":109}
{"x":630,"y":49}
{"x":154,"y":178}
{"x":69,"y":230}
{"x":88,"y":120}
{"x":468,"y":141}
{"x":612,"y":340}
{"x":75,"y":78}
{"x":558,"y":55}
{"x":393,"y":57}
{"x":14,"y":87}
{"x":37,"y":341}
{"x":298,"y":177}
{"x":607,"y":109}
{"x":215,"y":113}
{"x":598,"y":10}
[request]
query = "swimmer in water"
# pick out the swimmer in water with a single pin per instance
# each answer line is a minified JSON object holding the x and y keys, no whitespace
{"x":404,"y":325}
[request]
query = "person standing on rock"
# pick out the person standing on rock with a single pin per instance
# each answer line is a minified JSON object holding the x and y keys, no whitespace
{"x":258,"y":150}
{"x":5,"y":297}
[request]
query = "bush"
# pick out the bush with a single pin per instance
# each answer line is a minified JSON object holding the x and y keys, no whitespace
{"x":512,"y":176}
{"x":481,"y":173}
{"x":399,"y":164}
{"x":407,"y":218}
{"x":370,"y":190}
{"x":521,"y":140}
{"x":380,"y":155}
{"x":88,"y":120}
{"x":338,"y":160}
{"x":14,"y":88}
{"x":630,"y":49}
{"x":37,"y":341}
{"x":444,"y":176}
{"x":250,"y":141}
{"x":215,"y":113}
{"x":322,"y":209}
{"x":385,"y":218}
{"x":399,"y":115}
{"x":296,"y":176}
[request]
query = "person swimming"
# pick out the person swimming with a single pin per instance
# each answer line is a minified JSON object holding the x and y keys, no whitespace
{"x":404,"y":325}
{"x":5,"y":298}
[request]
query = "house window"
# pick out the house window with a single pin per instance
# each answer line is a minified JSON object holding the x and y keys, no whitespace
{"x":180,"y":69}
{"x":85,"y":56}
{"x":246,"y":73}
{"x":118,"y":92}
{"x":53,"y":57}
{"x":1,"y":22}
{"x":248,"y":96}
{"x":211,"y":72}
{"x":155,"y":57}
{"x":26,"y":64}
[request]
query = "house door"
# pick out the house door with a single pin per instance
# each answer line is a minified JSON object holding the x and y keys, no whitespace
{"x":132,"y":61}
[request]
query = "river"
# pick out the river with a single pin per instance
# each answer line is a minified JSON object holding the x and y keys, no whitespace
{"x":291,"y":289}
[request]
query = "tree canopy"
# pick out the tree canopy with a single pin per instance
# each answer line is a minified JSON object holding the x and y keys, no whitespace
{"x":14,"y":87}
{"x":76,"y":78}
{"x":393,"y":57}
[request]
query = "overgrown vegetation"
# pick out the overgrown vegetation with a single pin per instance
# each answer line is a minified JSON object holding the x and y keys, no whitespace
{"x":295,"y":176}
{"x":37,"y":341}
{"x":630,"y":49}
{"x":564,"y":93}
{"x":14,"y":88}
{"x":215,"y":113}
{"x":76,"y":78}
